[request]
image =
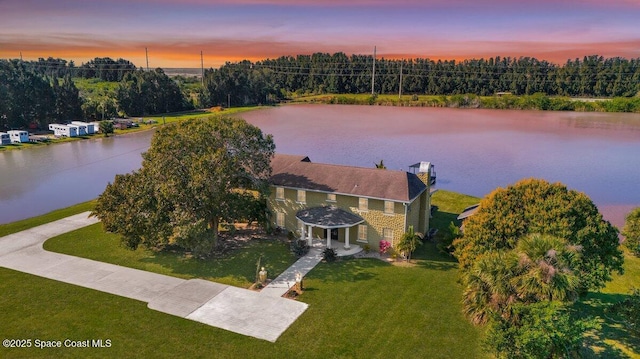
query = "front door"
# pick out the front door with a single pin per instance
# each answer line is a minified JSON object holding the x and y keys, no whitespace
{"x":334,"y":234}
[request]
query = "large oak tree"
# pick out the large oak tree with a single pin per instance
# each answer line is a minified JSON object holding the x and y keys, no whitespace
{"x":195,"y":174}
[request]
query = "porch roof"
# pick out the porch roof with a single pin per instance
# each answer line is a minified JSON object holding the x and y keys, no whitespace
{"x":328,"y":217}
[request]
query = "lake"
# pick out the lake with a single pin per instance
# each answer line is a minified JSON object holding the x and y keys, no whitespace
{"x":474,"y":151}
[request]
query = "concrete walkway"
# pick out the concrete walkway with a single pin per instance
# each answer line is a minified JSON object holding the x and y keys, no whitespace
{"x":279,"y":286}
{"x":235,"y":309}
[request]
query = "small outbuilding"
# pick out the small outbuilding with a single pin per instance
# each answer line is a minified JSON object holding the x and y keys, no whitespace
{"x":86,"y":128}
{"x":18,"y":136}
{"x":63,"y":130}
{"x":4,"y":139}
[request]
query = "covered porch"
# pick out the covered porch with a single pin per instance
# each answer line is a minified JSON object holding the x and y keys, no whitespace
{"x":332,"y":220}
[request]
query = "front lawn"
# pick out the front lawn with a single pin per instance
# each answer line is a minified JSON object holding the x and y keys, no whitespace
{"x":237,"y":267}
{"x":359,"y":308}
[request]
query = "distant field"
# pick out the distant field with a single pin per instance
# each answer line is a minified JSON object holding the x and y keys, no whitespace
{"x":183,"y":71}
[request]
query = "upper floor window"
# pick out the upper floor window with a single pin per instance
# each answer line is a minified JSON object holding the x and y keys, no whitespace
{"x":331,"y":197}
{"x":389,"y":207}
{"x":280,"y":193}
{"x":363,"y":204}
{"x":302,"y":196}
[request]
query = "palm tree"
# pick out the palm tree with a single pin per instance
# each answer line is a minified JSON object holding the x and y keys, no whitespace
{"x":538,"y":269}
{"x":489,"y":290}
{"x":546,"y":269}
{"x":408,"y":243}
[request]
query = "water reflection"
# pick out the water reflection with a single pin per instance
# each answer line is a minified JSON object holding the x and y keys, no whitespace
{"x":42,"y":179}
{"x":474,"y":151}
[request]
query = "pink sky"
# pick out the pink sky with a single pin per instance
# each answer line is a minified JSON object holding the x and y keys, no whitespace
{"x":176,"y":31}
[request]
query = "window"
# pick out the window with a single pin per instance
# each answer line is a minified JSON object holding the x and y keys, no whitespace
{"x":363,"y":204}
{"x":302,"y":196}
{"x":331,"y":197}
{"x":387,"y":235}
{"x":389,"y":207}
{"x":280,"y":219}
{"x":362,"y":232}
{"x":280,"y":193}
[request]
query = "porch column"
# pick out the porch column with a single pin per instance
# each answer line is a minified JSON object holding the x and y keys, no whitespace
{"x":328,"y":237}
{"x":346,"y":238}
{"x":310,"y":235}
{"x":302,"y":234}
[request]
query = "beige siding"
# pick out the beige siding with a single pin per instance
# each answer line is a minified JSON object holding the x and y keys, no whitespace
{"x":375,"y":218}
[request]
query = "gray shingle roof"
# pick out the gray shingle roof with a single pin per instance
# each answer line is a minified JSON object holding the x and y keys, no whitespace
{"x":299,"y":172}
{"x":328,"y":217}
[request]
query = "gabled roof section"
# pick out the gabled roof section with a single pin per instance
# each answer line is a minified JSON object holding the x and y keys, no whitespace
{"x":300,"y":172}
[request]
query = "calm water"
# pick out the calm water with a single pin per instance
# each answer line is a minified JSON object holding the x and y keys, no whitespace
{"x":474,"y":151}
{"x":39,"y":180}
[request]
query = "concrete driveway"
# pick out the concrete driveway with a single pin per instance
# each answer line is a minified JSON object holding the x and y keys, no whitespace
{"x":235,"y":309}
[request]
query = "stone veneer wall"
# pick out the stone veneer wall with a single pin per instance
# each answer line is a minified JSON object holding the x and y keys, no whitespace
{"x":374,"y":217}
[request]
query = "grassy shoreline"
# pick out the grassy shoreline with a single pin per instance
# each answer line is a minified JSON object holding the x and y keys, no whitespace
{"x":160,"y":119}
{"x":471,"y":101}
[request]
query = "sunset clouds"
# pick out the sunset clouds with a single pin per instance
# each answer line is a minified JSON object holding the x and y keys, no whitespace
{"x":176,"y":31}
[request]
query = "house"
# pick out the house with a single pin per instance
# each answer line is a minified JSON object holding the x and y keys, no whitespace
{"x":63,"y":130}
{"x":5,"y":139}
{"x":347,"y":204}
{"x":18,"y":136}
{"x":86,"y":128}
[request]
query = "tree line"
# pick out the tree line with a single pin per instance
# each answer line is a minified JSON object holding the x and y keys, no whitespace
{"x":247,"y":82}
{"x":37,"y":93}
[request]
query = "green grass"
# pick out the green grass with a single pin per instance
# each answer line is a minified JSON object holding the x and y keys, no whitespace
{"x":612,"y":341}
{"x":18,"y":226}
{"x":361,"y":308}
{"x":237,"y":268}
{"x":357,"y":309}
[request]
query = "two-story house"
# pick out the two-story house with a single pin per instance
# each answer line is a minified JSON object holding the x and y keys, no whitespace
{"x":348,"y":204}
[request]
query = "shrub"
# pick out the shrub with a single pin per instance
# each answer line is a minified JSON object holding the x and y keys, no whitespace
{"x":299,"y":247}
{"x":366,"y":248}
{"x":329,"y":255}
{"x":541,"y":330}
{"x":631,"y":231}
{"x":445,"y":244}
{"x":384,"y":246}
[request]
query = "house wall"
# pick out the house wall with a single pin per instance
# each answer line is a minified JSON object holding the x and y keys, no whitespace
{"x":374,"y":217}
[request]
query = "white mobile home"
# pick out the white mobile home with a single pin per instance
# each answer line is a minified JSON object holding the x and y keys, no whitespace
{"x":4,"y":138}
{"x":89,"y":128}
{"x":63,"y":130}
{"x":18,"y":136}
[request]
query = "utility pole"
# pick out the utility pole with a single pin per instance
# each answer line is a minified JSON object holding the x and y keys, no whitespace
{"x":228,"y":100}
{"x":146,"y":53}
{"x":373,"y":73}
{"x":20,"y":56}
{"x":400,"y":87}
{"x":202,"y":67}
